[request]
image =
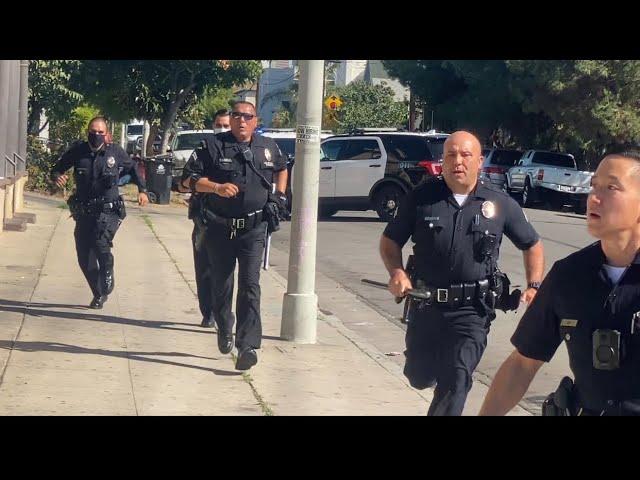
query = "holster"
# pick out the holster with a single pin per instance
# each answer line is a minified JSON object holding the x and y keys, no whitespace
{"x":504,"y":300}
{"x":270,"y":215}
{"x":561,"y":402}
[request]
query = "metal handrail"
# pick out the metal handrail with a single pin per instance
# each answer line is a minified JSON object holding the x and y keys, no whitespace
{"x":16,"y":155}
{"x":5,"y":166}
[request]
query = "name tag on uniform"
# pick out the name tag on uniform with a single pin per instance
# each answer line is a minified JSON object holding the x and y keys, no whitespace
{"x":568,"y":323}
{"x":226,"y":160}
{"x":268,"y":164}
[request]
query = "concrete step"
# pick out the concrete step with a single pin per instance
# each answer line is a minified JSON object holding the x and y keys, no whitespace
{"x":28,"y":217}
{"x":15,"y":224}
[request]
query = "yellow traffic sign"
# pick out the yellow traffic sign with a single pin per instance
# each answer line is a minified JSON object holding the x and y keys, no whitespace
{"x":333,"y":102}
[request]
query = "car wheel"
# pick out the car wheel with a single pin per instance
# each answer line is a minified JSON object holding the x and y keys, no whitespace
{"x":386,"y":201}
{"x":152,"y":197}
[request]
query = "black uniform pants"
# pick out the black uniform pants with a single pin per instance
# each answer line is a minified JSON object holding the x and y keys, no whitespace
{"x":444,"y":348}
{"x":247,"y":247}
{"x":94,"y":236}
{"x":201,"y":266}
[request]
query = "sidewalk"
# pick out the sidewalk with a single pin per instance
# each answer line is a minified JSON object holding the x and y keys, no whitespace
{"x":144,"y":353}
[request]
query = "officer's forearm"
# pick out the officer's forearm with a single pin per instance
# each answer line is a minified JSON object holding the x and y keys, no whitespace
{"x":280,"y":179}
{"x":534,"y":263}
{"x":204,"y":185}
{"x":391,"y":254}
{"x":511,"y":382}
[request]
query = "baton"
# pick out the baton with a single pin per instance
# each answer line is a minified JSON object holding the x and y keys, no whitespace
{"x":415,"y":293}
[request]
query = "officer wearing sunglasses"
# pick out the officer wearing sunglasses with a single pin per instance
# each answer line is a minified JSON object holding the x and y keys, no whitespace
{"x":236,"y":171}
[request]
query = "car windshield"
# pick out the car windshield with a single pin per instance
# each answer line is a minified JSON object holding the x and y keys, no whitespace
{"x":189,"y":141}
{"x":134,"y":130}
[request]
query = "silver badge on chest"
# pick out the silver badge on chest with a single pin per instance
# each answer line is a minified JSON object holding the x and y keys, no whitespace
{"x":488,"y":209}
{"x":111,"y":162}
{"x":267,"y":154}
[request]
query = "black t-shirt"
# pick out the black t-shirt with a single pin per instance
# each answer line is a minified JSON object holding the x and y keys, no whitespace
{"x":575,"y":299}
{"x":96,"y":173}
{"x":222,"y":161}
{"x":447,"y":236}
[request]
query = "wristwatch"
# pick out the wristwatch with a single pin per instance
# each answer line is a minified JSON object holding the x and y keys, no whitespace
{"x":535,"y":285}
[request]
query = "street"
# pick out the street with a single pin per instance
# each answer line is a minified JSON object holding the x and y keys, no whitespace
{"x":347,"y":251}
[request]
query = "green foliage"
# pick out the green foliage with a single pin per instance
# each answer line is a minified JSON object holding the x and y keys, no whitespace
{"x":75,"y":127}
{"x":40,"y":160}
{"x":50,"y":90}
{"x":367,"y":106}
{"x":202,"y":113}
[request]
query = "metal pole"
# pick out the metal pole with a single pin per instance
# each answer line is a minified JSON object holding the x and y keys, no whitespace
{"x":300,"y":305}
{"x":24,"y":110}
{"x":123,"y":136}
{"x":5,"y":70}
{"x":13,"y":107}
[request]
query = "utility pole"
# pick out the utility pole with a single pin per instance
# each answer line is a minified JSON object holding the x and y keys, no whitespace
{"x":5,"y":70}
{"x":412,"y":110}
{"x":300,"y":305}
{"x":24,"y":110}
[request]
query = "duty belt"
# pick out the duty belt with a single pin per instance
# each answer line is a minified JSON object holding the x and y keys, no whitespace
{"x":245,"y":223}
{"x":94,"y":206}
{"x":457,"y":295}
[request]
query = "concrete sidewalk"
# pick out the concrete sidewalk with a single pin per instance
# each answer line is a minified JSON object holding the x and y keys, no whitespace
{"x":144,"y":353}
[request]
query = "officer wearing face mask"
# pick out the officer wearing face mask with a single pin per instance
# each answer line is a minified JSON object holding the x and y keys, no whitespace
{"x":221,"y":121}
{"x":220,"y":124}
{"x":235,"y":172}
{"x":96,"y":205}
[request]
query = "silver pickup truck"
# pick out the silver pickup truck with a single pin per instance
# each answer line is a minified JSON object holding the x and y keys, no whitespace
{"x":549,"y":176}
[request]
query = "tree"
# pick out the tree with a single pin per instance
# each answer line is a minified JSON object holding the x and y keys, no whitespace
{"x":159,"y":90}
{"x":367,"y":106}
{"x":50,"y":92}
{"x":592,"y":103}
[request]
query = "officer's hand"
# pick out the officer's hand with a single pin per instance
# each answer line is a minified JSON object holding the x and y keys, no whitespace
{"x":62,"y":180}
{"x":528,"y":294}
{"x":226,"y":190}
{"x":143,"y":199}
{"x":399,"y":284}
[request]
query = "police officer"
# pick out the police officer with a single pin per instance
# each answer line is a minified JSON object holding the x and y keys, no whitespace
{"x":96,"y":205}
{"x":591,"y":301}
{"x":236,"y":171}
{"x":456,"y":223}
{"x":220,"y":124}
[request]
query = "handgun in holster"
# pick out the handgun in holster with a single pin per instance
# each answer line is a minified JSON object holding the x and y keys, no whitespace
{"x":504,"y":300}
{"x":561,"y":402}
{"x":408,"y":301}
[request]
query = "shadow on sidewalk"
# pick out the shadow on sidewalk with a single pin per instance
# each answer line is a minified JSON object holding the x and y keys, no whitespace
{"x":43,"y":310}
{"x":141,"y":356}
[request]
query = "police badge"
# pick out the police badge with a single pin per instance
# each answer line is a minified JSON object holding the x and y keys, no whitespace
{"x":488,"y":209}
{"x":111,"y":162}
{"x":267,"y":154}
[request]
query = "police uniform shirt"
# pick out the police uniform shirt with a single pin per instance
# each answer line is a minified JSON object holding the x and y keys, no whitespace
{"x":446,"y":234}
{"x":222,"y":161}
{"x":575,"y":299}
{"x":96,"y":173}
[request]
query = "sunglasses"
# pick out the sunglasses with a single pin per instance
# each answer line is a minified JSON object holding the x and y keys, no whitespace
{"x":246,"y":116}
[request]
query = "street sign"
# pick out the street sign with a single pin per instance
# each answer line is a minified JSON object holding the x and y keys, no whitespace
{"x":333,"y":102}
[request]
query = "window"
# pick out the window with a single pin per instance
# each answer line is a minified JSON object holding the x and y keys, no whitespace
{"x":365,"y":149}
{"x":190,"y":141}
{"x":287,"y":145}
{"x":134,"y":130}
{"x":409,"y":148}
{"x":554,"y":159}
{"x":331,"y":149}
{"x":507,"y":158}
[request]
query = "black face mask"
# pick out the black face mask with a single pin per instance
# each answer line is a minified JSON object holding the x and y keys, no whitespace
{"x":96,"y":139}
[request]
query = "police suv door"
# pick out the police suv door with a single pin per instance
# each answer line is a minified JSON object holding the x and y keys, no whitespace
{"x":359,"y":166}
{"x":329,"y":151}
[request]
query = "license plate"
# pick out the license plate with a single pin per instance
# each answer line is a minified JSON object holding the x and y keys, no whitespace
{"x":565,"y":188}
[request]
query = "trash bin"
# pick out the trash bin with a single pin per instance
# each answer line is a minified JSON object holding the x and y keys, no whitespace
{"x":159,"y":174}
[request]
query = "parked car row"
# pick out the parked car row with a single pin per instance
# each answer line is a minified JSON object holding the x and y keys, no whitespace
{"x":539,"y":176}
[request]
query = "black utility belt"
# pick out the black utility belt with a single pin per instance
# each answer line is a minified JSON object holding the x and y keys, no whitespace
{"x":93,"y":206}
{"x":457,"y":295}
{"x":246,"y":223}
